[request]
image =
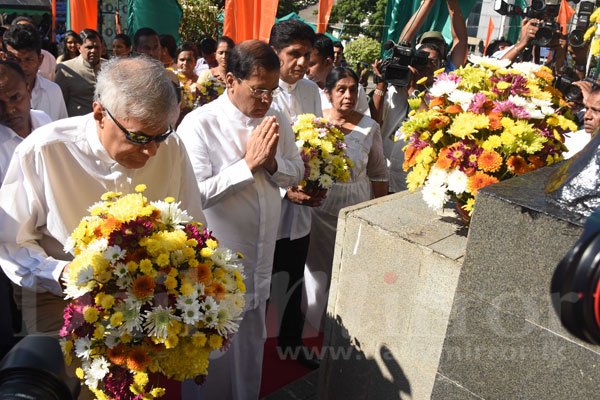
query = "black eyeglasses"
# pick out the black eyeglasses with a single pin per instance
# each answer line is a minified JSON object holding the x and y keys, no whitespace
{"x":140,"y":137}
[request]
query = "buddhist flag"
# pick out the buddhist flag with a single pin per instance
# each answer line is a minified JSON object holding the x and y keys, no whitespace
{"x":84,"y":15}
{"x":489,"y":35}
{"x":249,"y":19}
{"x":564,"y":15}
{"x":324,"y":14}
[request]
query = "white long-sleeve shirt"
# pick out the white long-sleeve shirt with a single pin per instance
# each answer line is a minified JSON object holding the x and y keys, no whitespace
{"x":242,"y":208}
{"x":9,"y":140}
{"x":47,"y":96}
{"x":300,"y":98}
{"x":55,"y":175}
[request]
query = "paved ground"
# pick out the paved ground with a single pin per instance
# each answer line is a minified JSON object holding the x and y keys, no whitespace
{"x":304,"y":388}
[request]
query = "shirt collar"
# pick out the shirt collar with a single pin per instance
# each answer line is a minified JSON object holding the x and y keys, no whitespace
{"x":233,"y":113}
{"x":91,"y":133}
{"x":287,"y":87}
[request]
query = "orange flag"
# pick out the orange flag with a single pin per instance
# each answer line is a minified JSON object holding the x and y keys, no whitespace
{"x":564,"y":15}
{"x":84,"y":14}
{"x":324,"y":14}
{"x":249,"y":19}
{"x":53,"y":18}
{"x":489,"y":35}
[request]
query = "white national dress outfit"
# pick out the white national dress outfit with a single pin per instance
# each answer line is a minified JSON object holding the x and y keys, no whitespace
{"x":295,"y":99}
{"x":47,"y":96}
{"x":9,"y":140}
{"x":366,"y":152}
{"x":242,"y":210}
{"x":55,"y":175}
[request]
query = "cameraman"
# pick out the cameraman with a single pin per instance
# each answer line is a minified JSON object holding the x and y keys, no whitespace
{"x":529,"y":28}
{"x":457,"y":56}
{"x":389,"y":107}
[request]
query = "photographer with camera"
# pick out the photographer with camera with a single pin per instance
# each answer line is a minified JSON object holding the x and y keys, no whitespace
{"x":396,"y":83}
{"x":529,"y":28}
{"x":457,"y":56}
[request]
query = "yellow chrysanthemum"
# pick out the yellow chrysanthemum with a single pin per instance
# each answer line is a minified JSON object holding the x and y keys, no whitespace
{"x":90,"y":314}
{"x":141,"y":379}
{"x":116,"y":319}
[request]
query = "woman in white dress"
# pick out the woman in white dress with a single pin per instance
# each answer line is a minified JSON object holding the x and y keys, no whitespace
{"x":368,"y":179}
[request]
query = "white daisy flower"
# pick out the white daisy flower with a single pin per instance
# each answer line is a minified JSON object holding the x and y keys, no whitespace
{"x":121,"y":270}
{"x":191,"y":315}
{"x":171,"y":215}
{"x":112,"y":338}
{"x":73,"y":291}
{"x":441,"y":88}
{"x":437,"y":176}
{"x":124,"y":282}
{"x":314,"y":163}
{"x":114,"y":253}
{"x":98,"y":245}
{"x":221,"y":256}
{"x":185,"y":302}
{"x":526,"y":68}
{"x":85,"y":275}
{"x":461,"y":97}
{"x":132,"y":319}
{"x":457,"y":181}
{"x":435,"y":195}
{"x":518,"y":100}
{"x":325,"y":181}
{"x":98,"y":368}
{"x":314,"y":174}
{"x":158,"y":320}
{"x":177,"y":257}
{"x":225,"y":324}
{"x":83,"y":348}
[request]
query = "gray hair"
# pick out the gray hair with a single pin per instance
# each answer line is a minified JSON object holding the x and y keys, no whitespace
{"x":137,"y":87}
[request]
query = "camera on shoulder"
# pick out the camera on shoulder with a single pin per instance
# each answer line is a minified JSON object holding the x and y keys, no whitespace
{"x":395,"y":69}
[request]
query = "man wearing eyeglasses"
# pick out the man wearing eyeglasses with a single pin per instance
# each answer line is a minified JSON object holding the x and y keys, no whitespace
{"x":62,"y":168}
{"x":242,"y":151}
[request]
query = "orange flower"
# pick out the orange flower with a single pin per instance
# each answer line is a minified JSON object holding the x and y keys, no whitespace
{"x":536,"y":161}
{"x":410,"y":156}
{"x":495,"y":121}
{"x":138,"y":359}
{"x":118,"y":354}
{"x":545,"y":75}
{"x":489,"y":161}
{"x":454,"y":109}
{"x":517,"y":165}
{"x":216,"y":290}
{"x":443,"y":161}
{"x":438,"y":122}
{"x":143,"y":286}
{"x":202,"y":273}
{"x":479,"y":180}
{"x":437,"y":101}
{"x":554,"y":91}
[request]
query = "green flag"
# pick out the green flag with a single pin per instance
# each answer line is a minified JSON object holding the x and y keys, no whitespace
{"x":514,"y":32}
{"x":399,"y":12}
{"x":163,"y":16}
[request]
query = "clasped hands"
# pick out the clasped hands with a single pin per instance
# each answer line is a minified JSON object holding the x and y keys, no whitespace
{"x":262,"y":146}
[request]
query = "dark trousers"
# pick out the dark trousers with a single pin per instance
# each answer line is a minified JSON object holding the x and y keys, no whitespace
{"x":286,"y":288}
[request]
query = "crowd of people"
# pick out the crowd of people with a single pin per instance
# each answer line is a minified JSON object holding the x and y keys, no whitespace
{"x":76,"y":126}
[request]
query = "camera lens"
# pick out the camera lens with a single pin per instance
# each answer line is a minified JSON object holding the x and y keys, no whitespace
{"x":544,"y":36}
{"x":576,"y":38}
{"x":574,"y":94}
{"x":538,"y":5}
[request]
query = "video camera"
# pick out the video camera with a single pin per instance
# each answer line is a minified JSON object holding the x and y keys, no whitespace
{"x":395,"y":69}
{"x":586,"y":8}
{"x":547,"y":11}
{"x":35,"y":369}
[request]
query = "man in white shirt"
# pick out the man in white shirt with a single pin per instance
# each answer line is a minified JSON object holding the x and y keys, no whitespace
{"x":576,"y":141}
{"x":48,"y":65}
{"x":17,"y":121}
{"x":22,"y":44}
{"x":293,"y":41}
{"x":319,"y":66}
{"x":242,"y":151}
{"x":62,"y":168}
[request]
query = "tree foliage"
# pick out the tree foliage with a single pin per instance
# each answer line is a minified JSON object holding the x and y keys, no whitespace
{"x":200,"y":19}
{"x":363,"y":49}
{"x":354,"y":13}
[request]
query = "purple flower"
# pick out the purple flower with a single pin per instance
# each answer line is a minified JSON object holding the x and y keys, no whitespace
{"x":444,"y":76}
{"x":510,"y":107}
{"x":117,"y":384}
{"x":416,"y":142}
{"x":477,"y":104}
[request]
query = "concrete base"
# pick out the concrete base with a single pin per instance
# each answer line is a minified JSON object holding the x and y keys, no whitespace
{"x":395,"y":271}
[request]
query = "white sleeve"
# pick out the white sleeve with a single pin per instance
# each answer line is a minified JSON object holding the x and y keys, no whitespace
{"x":362,"y":105}
{"x":213,"y":187}
{"x":189,"y":194}
{"x":22,"y":216}
{"x":290,"y":167}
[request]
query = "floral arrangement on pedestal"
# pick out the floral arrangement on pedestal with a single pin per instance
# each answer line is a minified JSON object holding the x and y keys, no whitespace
{"x":486,"y":122}
{"x":323,"y":150}
{"x":208,"y":91}
{"x":151,"y":292}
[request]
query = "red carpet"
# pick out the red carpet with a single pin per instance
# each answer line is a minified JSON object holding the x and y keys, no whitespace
{"x":278,"y":372}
